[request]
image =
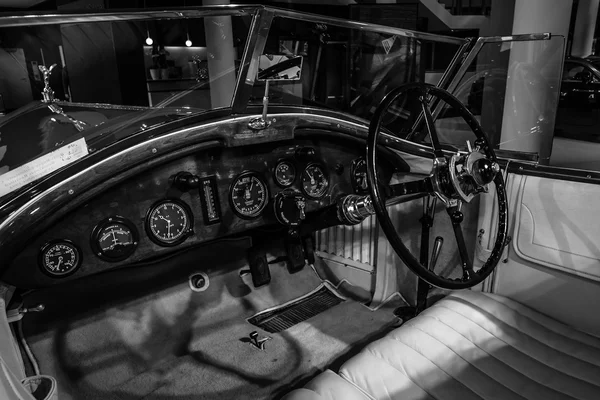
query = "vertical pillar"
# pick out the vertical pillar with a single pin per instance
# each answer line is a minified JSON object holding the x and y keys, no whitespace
{"x":585,"y":25}
{"x":221,"y":57}
{"x":534,"y":77}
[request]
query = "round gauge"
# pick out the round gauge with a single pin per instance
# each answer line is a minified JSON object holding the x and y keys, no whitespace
{"x":249,"y":195}
{"x":358,"y":176}
{"x":314,"y":181}
{"x":60,"y":258}
{"x":114,"y":239}
{"x":169,"y":222}
{"x":285,"y":173}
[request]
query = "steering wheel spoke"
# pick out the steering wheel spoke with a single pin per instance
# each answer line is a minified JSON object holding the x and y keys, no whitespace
{"x":456,"y":217}
{"x":429,"y":122}
{"x":410,"y":187}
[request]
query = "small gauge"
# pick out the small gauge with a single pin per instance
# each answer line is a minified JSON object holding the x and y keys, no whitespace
{"x":114,"y":239}
{"x":249,"y":195}
{"x":314,"y":181}
{"x":358,"y":176}
{"x":285,"y":173}
{"x":60,"y":258}
{"x":169,"y":222}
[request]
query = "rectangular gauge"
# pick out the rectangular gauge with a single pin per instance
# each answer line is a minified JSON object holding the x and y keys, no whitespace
{"x":209,"y":197}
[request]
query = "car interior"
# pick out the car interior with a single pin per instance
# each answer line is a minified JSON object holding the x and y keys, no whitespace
{"x":290,"y":207}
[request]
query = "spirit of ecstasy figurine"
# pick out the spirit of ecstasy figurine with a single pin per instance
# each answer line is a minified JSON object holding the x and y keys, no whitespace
{"x":47,"y":93}
{"x":48,"y":98}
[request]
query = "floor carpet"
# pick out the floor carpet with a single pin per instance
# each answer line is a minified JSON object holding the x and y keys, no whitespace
{"x":180,"y":344}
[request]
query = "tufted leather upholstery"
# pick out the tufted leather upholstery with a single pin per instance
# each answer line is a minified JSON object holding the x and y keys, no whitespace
{"x":470,"y":345}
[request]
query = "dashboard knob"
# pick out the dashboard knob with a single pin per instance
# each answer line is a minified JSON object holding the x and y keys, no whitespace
{"x":186,"y":181}
{"x":305,"y":153}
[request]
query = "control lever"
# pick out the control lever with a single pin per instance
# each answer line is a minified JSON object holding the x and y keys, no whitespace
{"x":16,"y":314}
{"x":437,"y":249}
{"x":256,"y":342}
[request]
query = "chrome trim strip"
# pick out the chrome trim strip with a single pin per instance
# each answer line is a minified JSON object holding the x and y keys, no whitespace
{"x":116,"y":16}
{"x":102,"y":106}
{"x":517,"y":38}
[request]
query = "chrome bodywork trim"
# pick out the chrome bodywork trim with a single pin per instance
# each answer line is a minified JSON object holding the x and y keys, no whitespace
{"x":12,"y":20}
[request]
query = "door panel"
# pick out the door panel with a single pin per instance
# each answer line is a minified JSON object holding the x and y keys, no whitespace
{"x":553,"y":261}
{"x":555,"y":225}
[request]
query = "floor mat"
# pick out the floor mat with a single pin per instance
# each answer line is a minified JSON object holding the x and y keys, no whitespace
{"x":302,"y":309}
{"x":177,"y":344}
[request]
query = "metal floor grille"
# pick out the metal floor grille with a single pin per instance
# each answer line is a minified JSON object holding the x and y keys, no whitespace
{"x":286,"y":316}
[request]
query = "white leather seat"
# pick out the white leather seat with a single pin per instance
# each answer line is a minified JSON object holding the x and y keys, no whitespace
{"x":470,"y":345}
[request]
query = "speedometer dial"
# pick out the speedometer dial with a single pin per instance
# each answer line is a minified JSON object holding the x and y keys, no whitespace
{"x":169,"y":222}
{"x":315,"y":181}
{"x":249,"y":195}
{"x":114,"y":239}
{"x":60,"y":258}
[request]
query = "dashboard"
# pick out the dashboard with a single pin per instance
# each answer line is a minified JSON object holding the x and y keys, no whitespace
{"x":194,"y":199}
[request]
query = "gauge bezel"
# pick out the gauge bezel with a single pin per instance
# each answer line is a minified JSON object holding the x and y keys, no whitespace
{"x":95,"y":238}
{"x":291,"y":164}
{"x":51,"y":243}
{"x":189,"y":231}
{"x":257,"y":213}
{"x":325,"y":173}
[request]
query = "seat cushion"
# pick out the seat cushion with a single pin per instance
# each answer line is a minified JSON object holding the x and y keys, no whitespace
{"x":474,"y":345}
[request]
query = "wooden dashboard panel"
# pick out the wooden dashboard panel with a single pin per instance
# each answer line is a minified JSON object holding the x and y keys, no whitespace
{"x":133,"y":198}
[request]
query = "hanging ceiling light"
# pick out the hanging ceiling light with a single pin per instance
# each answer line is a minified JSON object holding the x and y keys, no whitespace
{"x":188,"y":42}
{"x":149,"y":40}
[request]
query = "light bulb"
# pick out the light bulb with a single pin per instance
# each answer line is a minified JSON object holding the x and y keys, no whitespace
{"x":188,"y":43}
{"x":149,"y":41}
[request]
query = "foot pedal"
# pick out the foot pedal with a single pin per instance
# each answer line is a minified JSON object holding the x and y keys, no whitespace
{"x":309,"y":250}
{"x":259,"y":267}
{"x":295,"y":253}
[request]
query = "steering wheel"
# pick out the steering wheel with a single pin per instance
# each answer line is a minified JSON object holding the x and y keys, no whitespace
{"x":454,"y":179}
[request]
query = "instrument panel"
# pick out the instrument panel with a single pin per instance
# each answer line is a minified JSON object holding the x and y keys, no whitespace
{"x":196,"y":198}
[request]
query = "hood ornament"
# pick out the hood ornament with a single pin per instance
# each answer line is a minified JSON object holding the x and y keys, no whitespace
{"x":48,"y":99}
{"x":47,"y":93}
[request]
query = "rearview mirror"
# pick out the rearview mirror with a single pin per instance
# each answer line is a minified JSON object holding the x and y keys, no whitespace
{"x":279,"y":67}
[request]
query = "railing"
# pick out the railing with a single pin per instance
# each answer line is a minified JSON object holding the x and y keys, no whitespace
{"x":468,"y":7}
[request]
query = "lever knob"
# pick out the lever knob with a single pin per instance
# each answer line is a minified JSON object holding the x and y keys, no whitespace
{"x":484,"y":171}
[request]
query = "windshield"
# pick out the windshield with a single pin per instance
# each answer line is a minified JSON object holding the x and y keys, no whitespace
{"x":73,"y":85}
{"x":347,"y":69}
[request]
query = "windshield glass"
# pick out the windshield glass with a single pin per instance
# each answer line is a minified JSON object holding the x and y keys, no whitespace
{"x":522,"y":76}
{"x":95,"y":83}
{"x":347,"y":69}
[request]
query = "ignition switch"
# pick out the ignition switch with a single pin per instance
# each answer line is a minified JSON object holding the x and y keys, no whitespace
{"x":290,"y":207}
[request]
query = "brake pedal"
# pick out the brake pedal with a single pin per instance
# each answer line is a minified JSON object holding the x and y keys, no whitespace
{"x":295,"y":252}
{"x":259,"y":267}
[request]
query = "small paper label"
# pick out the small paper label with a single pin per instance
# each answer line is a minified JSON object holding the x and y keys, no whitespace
{"x":42,"y":166}
{"x":388,"y":43}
